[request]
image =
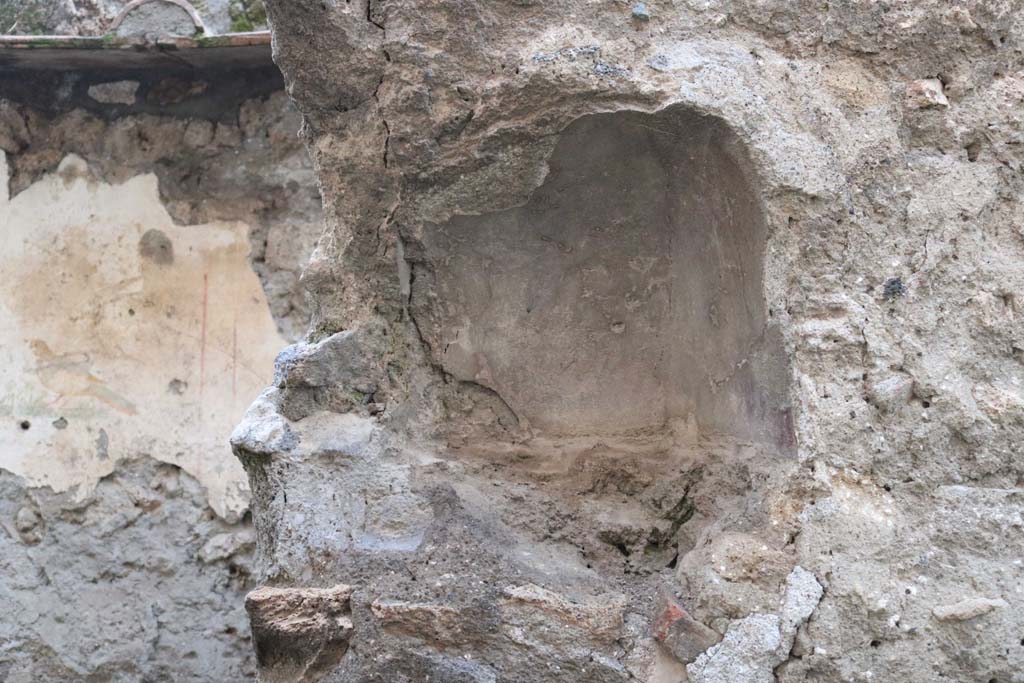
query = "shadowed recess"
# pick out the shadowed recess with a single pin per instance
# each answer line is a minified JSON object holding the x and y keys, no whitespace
{"x":626,"y":293}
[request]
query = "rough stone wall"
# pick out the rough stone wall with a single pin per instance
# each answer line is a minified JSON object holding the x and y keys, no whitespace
{"x":873,"y":536}
{"x":154,"y":226}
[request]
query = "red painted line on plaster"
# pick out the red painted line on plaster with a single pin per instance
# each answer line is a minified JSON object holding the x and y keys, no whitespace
{"x":202,"y":336}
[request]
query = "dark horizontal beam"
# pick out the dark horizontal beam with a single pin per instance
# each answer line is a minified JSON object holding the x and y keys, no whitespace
{"x":59,"y":53}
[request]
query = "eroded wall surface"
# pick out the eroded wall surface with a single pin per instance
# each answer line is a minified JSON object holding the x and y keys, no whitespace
{"x":154,"y":226}
{"x":422,"y":495}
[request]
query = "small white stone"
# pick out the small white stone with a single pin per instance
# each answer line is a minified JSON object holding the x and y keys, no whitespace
{"x":114,"y":92}
{"x":926,"y":93}
{"x":25,"y":520}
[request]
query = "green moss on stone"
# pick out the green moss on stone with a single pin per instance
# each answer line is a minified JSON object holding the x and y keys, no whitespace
{"x":247,"y":15}
{"x":27,"y":17}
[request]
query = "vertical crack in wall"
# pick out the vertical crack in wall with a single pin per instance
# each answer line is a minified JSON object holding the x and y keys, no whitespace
{"x":540,"y":561}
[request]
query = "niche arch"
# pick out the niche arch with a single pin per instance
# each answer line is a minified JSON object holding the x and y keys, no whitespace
{"x":626,"y":294}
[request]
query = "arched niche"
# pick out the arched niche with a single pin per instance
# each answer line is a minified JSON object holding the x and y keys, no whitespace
{"x":625,"y":294}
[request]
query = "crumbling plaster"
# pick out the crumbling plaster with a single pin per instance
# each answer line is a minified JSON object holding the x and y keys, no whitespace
{"x":129,"y":233}
{"x":125,"y":334}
